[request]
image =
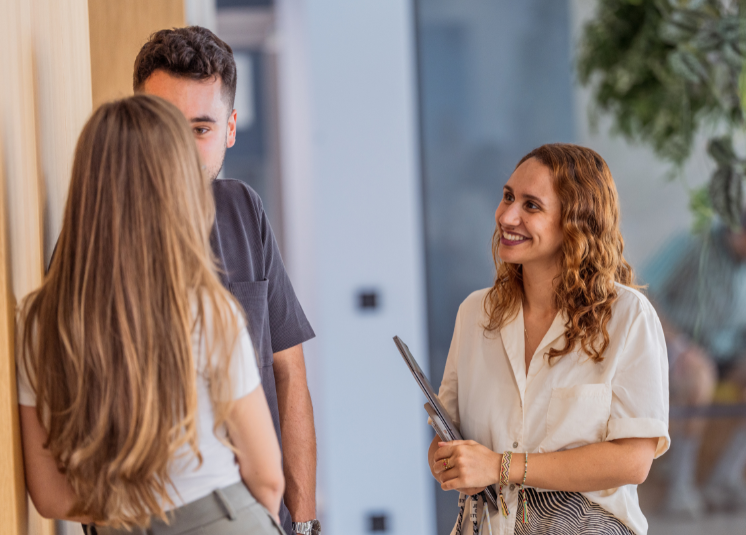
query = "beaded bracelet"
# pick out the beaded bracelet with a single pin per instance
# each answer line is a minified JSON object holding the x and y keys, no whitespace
{"x":505,"y":480}
{"x":522,"y":491}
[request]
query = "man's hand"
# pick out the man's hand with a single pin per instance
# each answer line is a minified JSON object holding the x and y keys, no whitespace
{"x":470,"y":466}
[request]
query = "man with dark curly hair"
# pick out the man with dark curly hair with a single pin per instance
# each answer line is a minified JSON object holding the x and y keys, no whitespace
{"x":195,"y":70}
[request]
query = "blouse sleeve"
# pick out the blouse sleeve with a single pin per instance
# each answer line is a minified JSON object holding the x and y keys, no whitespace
{"x":448,"y":393}
{"x":639,"y":405}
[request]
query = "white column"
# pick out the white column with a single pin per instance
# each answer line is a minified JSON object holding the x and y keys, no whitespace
{"x":352,"y":205}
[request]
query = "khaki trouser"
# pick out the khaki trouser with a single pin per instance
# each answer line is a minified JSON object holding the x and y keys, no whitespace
{"x":228,"y":511}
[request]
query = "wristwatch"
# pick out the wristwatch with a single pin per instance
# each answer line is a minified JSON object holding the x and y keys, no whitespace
{"x":312,"y":527}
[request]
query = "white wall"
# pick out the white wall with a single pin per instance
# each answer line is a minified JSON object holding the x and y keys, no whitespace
{"x":654,"y":208}
{"x":351,"y":189}
{"x":201,"y":13}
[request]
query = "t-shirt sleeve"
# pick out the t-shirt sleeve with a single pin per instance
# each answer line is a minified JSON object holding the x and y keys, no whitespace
{"x":448,"y":393}
{"x":26,"y":394}
{"x":244,"y":370}
{"x":288,"y":324}
{"x":639,"y":404}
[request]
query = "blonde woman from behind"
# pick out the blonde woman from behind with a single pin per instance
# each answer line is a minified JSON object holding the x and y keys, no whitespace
{"x":138,"y":384}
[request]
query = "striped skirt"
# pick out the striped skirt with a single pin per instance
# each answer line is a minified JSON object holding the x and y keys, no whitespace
{"x":566,"y":513}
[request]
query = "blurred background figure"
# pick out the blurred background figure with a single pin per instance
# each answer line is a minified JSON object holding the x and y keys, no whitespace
{"x":698,"y":284}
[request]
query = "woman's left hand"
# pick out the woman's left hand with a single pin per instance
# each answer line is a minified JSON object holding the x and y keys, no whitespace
{"x":471,"y":466}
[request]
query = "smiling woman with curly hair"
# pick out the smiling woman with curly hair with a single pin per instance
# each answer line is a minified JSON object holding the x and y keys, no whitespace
{"x":558,"y":372}
{"x":591,"y":258}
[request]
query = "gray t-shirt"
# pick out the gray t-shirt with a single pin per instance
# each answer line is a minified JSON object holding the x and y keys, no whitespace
{"x":254,"y":273}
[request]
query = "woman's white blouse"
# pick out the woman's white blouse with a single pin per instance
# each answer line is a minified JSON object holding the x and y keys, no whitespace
{"x":570,"y":403}
{"x":190,"y":479}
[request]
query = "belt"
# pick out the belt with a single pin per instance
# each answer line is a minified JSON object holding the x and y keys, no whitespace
{"x":221,"y":503}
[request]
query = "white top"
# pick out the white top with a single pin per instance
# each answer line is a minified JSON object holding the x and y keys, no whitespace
{"x":219,"y":468}
{"x":568,"y":404}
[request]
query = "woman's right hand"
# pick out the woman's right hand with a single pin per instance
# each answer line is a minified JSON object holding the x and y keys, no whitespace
{"x":439,"y":472}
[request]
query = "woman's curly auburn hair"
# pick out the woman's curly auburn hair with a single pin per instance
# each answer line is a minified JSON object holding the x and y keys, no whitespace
{"x":592,"y":259}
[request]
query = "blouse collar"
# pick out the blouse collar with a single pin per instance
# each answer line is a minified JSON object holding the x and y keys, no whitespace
{"x":514,"y":341}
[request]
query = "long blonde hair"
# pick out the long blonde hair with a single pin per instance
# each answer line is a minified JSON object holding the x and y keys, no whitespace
{"x":107,"y":340}
{"x":592,"y":252}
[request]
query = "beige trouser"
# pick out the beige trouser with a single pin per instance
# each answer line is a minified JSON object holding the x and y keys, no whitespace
{"x":228,"y":511}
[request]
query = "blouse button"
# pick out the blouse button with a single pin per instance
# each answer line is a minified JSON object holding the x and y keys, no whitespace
{"x":512,"y":486}
{"x":515,"y":444}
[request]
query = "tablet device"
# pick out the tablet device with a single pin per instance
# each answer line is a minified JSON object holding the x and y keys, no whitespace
{"x":446,"y":424}
{"x":441,"y":420}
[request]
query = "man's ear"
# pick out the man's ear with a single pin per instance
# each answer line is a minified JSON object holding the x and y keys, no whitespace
{"x":231,"y":139}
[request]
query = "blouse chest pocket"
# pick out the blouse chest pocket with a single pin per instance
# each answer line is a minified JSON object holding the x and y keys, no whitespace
{"x":577,"y":416}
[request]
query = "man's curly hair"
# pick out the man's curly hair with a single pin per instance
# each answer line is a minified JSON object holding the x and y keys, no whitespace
{"x":192,"y":52}
{"x":592,"y":252}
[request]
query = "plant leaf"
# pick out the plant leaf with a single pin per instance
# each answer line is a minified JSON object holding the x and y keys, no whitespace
{"x":720,"y":149}
{"x":674,"y":34}
{"x":726,"y":194}
{"x":732,"y":56}
{"x":681,"y":67}
{"x":686,"y":20}
{"x":701,"y":208}
{"x":742,"y":87}
{"x":706,"y":41}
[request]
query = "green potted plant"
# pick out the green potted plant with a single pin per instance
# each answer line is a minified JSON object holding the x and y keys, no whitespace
{"x":663,"y":69}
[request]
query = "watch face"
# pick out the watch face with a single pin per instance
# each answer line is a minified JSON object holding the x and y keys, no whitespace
{"x":312,"y":527}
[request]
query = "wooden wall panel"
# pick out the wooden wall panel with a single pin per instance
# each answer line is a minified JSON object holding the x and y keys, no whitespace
{"x":63,"y":77}
{"x":118,"y":31}
{"x":23,"y":247}
{"x":12,"y":490}
{"x":45,"y":99}
{"x":24,"y":190}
